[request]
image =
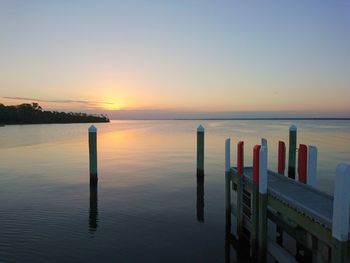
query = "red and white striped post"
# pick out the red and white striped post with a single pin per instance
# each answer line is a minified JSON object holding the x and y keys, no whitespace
{"x":302,"y":163}
{"x":281,"y":157}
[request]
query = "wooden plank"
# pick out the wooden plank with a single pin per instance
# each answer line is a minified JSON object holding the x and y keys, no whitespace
{"x":278,"y":253}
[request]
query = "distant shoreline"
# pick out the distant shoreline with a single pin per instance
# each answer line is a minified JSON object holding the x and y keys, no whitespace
{"x":233,"y":119}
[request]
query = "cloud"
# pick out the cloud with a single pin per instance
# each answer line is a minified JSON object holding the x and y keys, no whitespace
{"x":86,"y":102}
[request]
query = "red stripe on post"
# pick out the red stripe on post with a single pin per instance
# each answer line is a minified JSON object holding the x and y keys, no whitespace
{"x":256,"y":153}
{"x":281,"y":157}
{"x":240,"y":158}
{"x":302,"y":163}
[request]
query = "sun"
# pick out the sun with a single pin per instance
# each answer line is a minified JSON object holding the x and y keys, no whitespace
{"x":113,"y":105}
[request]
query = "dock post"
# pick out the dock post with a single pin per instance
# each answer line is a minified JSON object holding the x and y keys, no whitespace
{"x":292,"y":151}
{"x":302,"y":163}
{"x":227,"y":184}
{"x":262,"y":233}
{"x":93,"y":154}
{"x":255,"y":204}
{"x":240,"y":169}
{"x":200,"y":150}
{"x":281,"y":157}
{"x":303,"y":254}
{"x":340,"y":222}
{"x":281,"y":169}
{"x":312,"y":166}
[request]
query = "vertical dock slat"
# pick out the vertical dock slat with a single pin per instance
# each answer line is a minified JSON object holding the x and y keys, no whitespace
{"x":312,"y":166}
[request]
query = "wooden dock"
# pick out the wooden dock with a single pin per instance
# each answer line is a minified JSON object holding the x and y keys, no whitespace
{"x":265,"y":208}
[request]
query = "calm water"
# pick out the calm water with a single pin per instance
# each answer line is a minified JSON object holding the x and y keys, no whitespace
{"x":145,"y":208}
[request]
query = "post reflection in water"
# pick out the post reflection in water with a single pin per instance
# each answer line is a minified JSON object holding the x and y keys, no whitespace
{"x":93,"y":212}
{"x":200,"y":197}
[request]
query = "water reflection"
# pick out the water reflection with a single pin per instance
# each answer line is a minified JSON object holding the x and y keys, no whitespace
{"x":93,"y":212}
{"x":200,"y":198}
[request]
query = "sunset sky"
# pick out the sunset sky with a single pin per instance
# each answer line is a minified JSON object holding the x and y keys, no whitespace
{"x":172,"y":58}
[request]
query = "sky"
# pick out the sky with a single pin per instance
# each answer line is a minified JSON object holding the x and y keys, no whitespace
{"x":159,"y":59}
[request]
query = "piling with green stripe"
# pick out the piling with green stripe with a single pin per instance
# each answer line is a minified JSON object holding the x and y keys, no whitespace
{"x":93,"y":154}
{"x":292,"y":151}
{"x":200,"y":150}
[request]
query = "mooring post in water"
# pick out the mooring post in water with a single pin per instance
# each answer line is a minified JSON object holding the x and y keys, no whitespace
{"x":292,"y":151}
{"x":93,"y":154}
{"x":340,"y":222}
{"x":200,"y":198}
{"x":312,"y":166}
{"x":262,"y":233}
{"x":227,"y":183}
{"x":281,"y":157}
{"x":255,"y":203}
{"x":302,"y":163}
{"x":200,"y":150}
{"x":240,"y":169}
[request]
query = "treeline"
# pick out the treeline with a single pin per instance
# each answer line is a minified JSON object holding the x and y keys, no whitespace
{"x":34,"y":114}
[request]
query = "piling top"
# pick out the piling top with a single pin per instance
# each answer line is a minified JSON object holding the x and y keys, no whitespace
{"x":293,"y":127}
{"x":92,"y":128}
{"x":200,"y":128}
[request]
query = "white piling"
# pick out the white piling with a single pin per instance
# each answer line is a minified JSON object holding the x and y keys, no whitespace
{"x":263,"y":170}
{"x":341,"y":203}
{"x":262,"y":229}
{"x":312,"y":166}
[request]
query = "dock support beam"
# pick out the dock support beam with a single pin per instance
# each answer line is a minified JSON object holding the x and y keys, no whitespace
{"x":93,"y":154}
{"x":200,"y":150}
{"x":340,"y":222}
{"x":292,"y":151}
{"x":262,"y":233}
{"x":255,"y":203}
{"x":227,"y":184}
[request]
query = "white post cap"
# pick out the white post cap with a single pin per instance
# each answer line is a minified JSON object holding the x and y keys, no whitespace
{"x":200,"y":128}
{"x":293,"y":127}
{"x":92,"y":128}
